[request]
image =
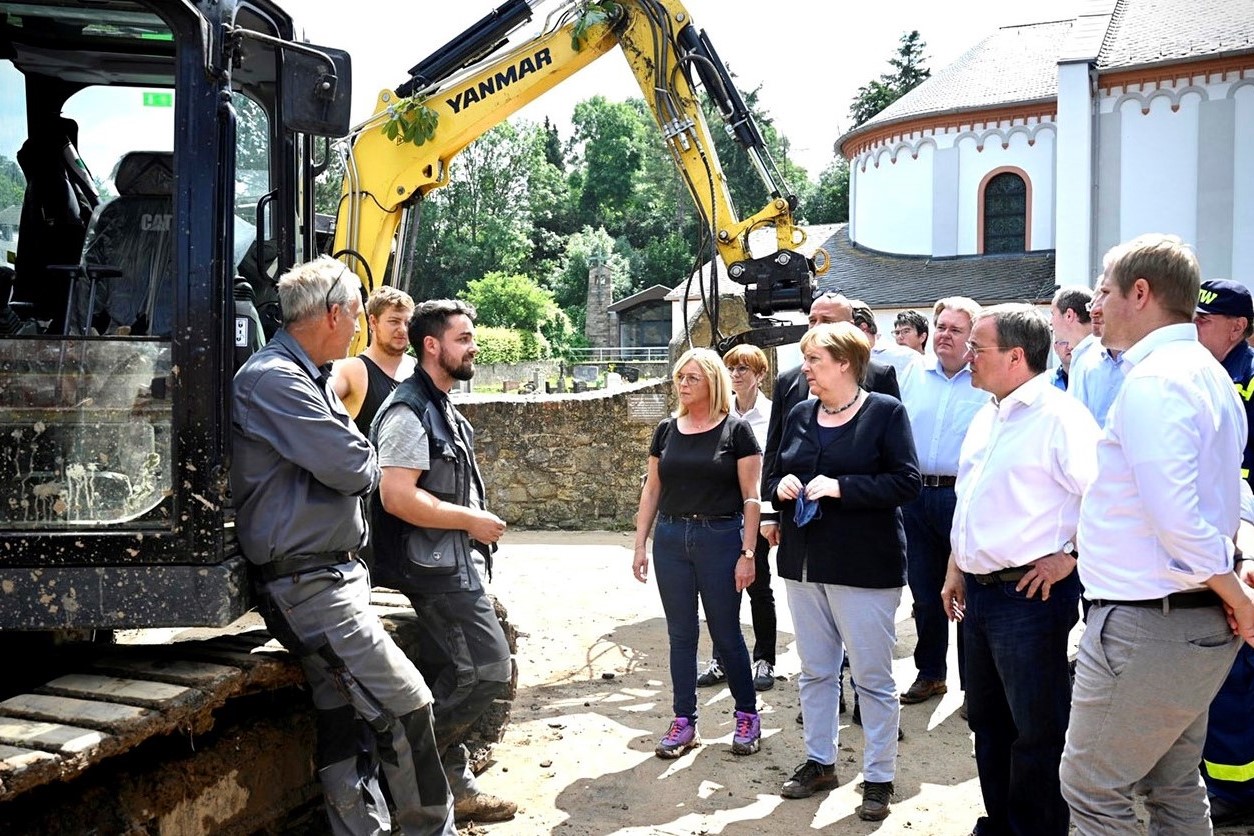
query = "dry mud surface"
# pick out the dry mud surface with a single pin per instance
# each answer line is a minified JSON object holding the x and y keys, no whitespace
{"x":594,"y":696}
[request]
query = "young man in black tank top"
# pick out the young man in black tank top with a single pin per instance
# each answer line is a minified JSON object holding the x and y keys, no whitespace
{"x":364,"y":381}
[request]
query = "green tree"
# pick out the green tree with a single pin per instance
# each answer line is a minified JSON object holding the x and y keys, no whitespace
{"x":908,"y":73}
{"x":610,"y":136}
{"x":551,"y":210}
{"x":329,"y":185}
{"x":12,"y":183}
{"x":510,"y":301}
{"x":570,"y":282}
{"x":481,"y":221}
{"x":830,"y":202}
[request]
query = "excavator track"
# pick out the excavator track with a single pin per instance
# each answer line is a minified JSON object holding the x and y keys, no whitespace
{"x":211,"y":735}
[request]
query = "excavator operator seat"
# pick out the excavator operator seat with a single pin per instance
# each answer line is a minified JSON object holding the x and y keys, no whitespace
{"x":126,"y":282}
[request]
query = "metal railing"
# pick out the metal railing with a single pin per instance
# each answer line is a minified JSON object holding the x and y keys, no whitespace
{"x":621,"y":354}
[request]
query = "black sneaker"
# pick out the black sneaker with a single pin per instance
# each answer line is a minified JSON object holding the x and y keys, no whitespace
{"x":712,"y":675}
{"x":809,"y":778}
{"x":875,"y":798}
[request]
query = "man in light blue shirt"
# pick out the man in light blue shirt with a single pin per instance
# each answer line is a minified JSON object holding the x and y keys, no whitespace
{"x":941,"y":402}
{"x":1096,"y":371}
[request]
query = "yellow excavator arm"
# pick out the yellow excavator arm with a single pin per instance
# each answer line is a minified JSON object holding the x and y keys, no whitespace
{"x":474,"y":83}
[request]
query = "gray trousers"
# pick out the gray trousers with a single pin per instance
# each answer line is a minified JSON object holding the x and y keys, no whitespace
{"x":1143,"y":683}
{"x":829,"y":619}
{"x":374,"y":709}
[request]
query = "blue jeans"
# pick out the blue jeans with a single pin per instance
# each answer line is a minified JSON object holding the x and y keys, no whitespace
{"x":697,"y":559}
{"x":1019,"y":701}
{"x":927,"y":522}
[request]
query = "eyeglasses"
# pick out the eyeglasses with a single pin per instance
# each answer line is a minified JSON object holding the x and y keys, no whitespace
{"x":1062,"y":343}
{"x":338,"y":280}
{"x":690,"y":379}
{"x":976,"y":349}
{"x":903,"y":332}
{"x":739,"y":370}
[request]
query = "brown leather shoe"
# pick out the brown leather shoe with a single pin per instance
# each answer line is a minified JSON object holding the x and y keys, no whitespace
{"x":483,"y":807}
{"x":923,"y":689}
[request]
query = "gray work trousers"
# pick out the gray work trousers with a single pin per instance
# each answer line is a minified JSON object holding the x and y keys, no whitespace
{"x":374,"y":709}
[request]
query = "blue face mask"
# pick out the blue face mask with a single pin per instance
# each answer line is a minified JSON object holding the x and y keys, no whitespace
{"x":806,"y":510}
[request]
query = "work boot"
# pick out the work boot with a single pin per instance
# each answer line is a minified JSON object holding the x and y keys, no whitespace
{"x":482,"y":807}
{"x":809,"y":778}
{"x":875,"y":798}
{"x":923,"y":690}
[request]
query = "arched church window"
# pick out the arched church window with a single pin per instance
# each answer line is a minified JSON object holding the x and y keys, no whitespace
{"x":1005,"y":214}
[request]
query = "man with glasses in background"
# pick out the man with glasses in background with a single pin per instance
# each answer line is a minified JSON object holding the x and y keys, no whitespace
{"x":940,"y":401}
{"x":299,"y":470}
{"x":911,"y":330}
{"x":1072,"y":327}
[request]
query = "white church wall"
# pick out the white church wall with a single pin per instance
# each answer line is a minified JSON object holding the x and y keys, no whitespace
{"x":1158,"y":186}
{"x":893,"y":201}
{"x":928,"y":201}
{"x":1243,"y":178}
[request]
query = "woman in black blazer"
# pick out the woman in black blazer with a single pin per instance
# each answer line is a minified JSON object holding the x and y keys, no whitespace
{"x":846,"y":464}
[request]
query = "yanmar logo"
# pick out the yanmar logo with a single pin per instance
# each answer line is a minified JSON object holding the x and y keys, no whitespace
{"x":500,"y":81}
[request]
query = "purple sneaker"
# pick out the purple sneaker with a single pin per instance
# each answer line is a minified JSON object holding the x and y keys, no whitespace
{"x":748,"y":736}
{"x":679,"y":738}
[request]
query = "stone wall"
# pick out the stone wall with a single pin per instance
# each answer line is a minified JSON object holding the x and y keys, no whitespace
{"x":572,"y":462}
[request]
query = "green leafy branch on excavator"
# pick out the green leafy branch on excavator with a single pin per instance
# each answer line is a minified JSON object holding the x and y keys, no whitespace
{"x":593,"y":14}
{"x":410,"y":120}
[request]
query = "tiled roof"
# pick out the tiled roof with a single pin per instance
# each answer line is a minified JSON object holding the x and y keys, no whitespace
{"x":1166,"y":31}
{"x":880,"y":279}
{"x":1014,"y":65}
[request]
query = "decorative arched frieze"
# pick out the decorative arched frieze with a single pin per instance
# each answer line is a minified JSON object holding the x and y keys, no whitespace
{"x":1245,"y":82}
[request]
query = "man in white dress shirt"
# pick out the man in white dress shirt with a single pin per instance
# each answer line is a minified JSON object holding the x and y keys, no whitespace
{"x":1028,"y":457}
{"x":1156,"y":556}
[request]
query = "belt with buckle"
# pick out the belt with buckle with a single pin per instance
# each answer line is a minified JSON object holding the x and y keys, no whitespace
{"x":1002,"y":576}
{"x":1174,"y":601}
{"x":931,"y":481}
{"x":697,"y":517}
{"x":282,"y":567}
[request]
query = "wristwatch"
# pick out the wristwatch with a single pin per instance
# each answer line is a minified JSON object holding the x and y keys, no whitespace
{"x":1069,"y":549}
{"x":748,"y":553}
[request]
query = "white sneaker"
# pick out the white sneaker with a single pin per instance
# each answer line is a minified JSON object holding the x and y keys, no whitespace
{"x":763,"y":675}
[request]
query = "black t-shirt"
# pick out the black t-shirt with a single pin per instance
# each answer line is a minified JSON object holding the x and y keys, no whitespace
{"x":698,"y":471}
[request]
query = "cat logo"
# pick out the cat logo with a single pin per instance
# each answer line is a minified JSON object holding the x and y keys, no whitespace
{"x":155,"y":223}
{"x":1206,"y":297}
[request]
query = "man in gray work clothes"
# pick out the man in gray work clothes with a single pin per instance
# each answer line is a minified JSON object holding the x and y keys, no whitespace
{"x":299,"y":469}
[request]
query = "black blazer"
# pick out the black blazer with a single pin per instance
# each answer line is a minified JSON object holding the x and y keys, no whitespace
{"x":791,"y":389}
{"x":859,"y":540}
